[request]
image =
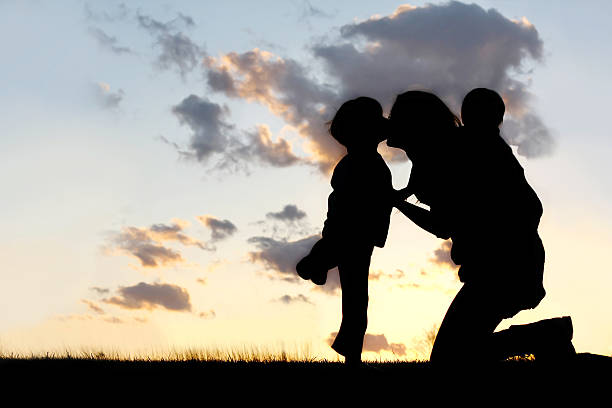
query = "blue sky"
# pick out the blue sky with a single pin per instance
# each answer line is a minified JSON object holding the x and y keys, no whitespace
{"x":83,"y":159}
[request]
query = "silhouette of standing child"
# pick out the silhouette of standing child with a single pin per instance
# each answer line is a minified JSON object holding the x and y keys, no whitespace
{"x":358,"y":215}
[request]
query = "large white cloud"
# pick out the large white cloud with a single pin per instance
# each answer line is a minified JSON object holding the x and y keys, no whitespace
{"x":449,"y":49}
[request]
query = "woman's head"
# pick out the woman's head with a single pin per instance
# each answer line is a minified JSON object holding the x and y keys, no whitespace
{"x":359,"y":122}
{"x":417,"y":118}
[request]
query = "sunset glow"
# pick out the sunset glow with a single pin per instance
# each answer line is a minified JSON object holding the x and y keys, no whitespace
{"x":165,"y":165}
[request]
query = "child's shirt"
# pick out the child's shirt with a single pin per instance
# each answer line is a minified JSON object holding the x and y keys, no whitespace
{"x":359,"y":208}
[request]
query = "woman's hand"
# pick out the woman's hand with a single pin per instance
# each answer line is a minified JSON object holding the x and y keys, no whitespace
{"x":424,"y":219}
{"x":401,"y":195}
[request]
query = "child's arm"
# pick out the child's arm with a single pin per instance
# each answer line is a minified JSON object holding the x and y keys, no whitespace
{"x":423,"y":218}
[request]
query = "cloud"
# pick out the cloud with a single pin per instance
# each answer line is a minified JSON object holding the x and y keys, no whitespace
{"x":530,"y":135}
{"x":288,"y":299}
{"x":207,"y":122}
{"x":221,"y":229}
{"x":208,"y":315}
{"x":99,"y":290}
{"x":376,"y":343}
{"x":281,"y":256}
{"x":108,"y":42}
{"x":146,"y":244}
{"x":152,"y":296}
{"x":120,"y":12}
{"x":86,"y":317}
{"x":442,"y":255}
{"x":93,"y":306}
{"x":114,"y":320}
{"x":284,"y":86}
{"x":260,"y":147}
{"x":173,"y":232}
{"x":106,"y":98}
{"x":379,"y":275}
{"x":286,"y":224}
{"x":177,"y":49}
{"x":308,"y":11}
{"x":448,"y":48}
{"x":216,"y":265}
{"x":289,"y":213}
{"x":383,"y":56}
{"x":213,"y":135}
{"x":70,"y":317}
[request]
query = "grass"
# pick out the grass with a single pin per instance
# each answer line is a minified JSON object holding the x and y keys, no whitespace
{"x":250,"y":354}
{"x":220,"y":368}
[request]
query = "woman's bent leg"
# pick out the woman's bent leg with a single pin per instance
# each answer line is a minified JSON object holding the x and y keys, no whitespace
{"x":466,"y":330}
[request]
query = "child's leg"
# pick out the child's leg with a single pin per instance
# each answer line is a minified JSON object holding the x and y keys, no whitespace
{"x":310,"y":264}
{"x":354,"y":265}
{"x":317,"y":263}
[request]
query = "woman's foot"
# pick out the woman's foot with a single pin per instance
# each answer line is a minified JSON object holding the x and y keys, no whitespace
{"x":549,"y":340}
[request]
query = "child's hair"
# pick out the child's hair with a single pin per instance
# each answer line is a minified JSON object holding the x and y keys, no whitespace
{"x":482,"y":107}
{"x":355,"y":117}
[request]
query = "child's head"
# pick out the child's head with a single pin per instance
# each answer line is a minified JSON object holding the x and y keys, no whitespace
{"x":359,"y":123}
{"x":482,"y":107}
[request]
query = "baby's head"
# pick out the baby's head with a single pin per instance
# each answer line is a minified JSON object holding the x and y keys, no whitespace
{"x":359,"y":123}
{"x":482,"y":107}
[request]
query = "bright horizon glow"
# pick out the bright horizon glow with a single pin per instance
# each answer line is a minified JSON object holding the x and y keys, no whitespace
{"x":92,"y":145}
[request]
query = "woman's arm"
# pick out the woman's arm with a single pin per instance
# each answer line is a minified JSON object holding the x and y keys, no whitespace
{"x":423,"y":218}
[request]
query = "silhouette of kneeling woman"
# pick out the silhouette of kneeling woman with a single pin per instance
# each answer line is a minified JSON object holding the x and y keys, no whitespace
{"x":479,"y":197}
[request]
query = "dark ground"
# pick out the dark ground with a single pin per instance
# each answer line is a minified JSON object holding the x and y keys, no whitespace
{"x":78,"y":372}
{"x":584,"y":382}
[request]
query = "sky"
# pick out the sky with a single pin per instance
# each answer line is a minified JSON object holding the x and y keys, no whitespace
{"x":165,"y":164}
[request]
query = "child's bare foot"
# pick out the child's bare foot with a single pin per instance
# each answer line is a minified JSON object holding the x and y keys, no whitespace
{"x":319,"y":278}
{"x":303,"y":269}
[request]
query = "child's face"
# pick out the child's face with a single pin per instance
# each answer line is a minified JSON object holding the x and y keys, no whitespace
{"x":384,"y":129}
{"x":395,"y":134}
{"x":372,"y":133}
